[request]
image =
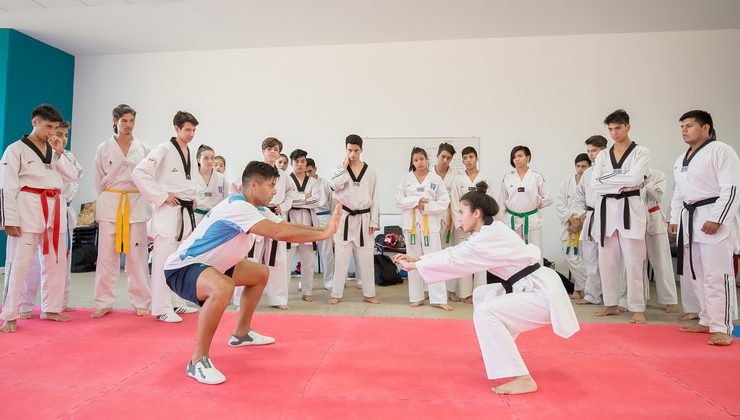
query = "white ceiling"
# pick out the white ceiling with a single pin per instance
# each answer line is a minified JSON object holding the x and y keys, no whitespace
{"x":87,"y":27}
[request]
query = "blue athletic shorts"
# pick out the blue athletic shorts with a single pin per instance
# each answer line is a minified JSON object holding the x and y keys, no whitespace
{"x":183,"y":280}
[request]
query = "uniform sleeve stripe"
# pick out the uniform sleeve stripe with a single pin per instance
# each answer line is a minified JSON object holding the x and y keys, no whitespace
{"x":726,"y":210}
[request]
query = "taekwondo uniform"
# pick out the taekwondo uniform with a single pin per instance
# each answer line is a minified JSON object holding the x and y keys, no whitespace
{"x":33,"y":278}
{"x":31,"y":199}
{"x":566,"y":209}
{"x":706,"y":190}
{"x":521,"y":201}
{"x":621,"y":223}
{"x":656,"y":241}
{"x":166,"y":170}
{"x":325,"y":206}
{"x":421,"y":228}
{"x":210,"y":194}
{"x":303,"y":212}
{"x":357,"y":195}
{"x":122,"y":214}
{"x":529,"y":298}
{"x":447,"y":229}
{"x":460,"y":186}
{"x":585,"y":201}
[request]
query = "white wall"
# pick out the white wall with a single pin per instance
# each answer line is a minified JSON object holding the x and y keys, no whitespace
{"x":548,"y":93}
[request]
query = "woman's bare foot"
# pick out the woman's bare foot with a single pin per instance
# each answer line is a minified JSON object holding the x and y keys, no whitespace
{"x":519,"y":385}
{"x":308,"y":298}
{"x":101,"y":312}
{"x":416,"y":304}
{"x":25,"y":315}
{"x":372,"y":300}
{"x":444,"y":306}
{"x":69,"y":309}
{"x":608,"y":310}
{"x":577,"y":294}
{"x":283,"y":307}
{"x":688,"y":316}
{"x":8,"y":327}
{"x":358,"y":286}
{"x":695,"y":328}
{"x":142,"y":312}
{"x":638,"y":318}
{"x":334,"y":301}
{"x":452,"y":297}
{"x":622,"y":309}
{"x":583,"y":302}
{"x":468,"y":300}
{"x":671,"y":308}
{"x":720,"y":339}
{"x":53,"y":316}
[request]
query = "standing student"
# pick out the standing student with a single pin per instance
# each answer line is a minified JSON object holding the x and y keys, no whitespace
{"x":463,"y":183}
{"x":621,"y":217}
{"x":354,"y":185}
{"x":34,"y":170}
{"x":531,"y":296}
{"x":33,"y":278}
{"x":584,"y":204}
{"x":207,"y":266}
{"x":572,"y":225}
{"x":303,"y":212}
{"x":323,"y":214}
{"x":423,"y":200}
{"x":211,"y":185}
{"x":523,"y":194}
{"x":165,"y":178}
{"x":657,"y":244}
{"x":282,"y":162}
{"x":122,"y":214}
{"x":219,"y":164}
{"x":445,"y":153}
{"x":703,"y":210}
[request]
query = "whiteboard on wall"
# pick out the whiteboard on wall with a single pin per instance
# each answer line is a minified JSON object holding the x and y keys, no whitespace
{"x":390,"y":157}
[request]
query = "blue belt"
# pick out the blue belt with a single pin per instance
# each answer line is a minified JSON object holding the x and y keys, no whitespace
{"x":323,"y":213}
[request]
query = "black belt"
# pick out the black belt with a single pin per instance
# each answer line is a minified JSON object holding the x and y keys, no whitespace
{"x":679,"y":254}
{"x":274,"y":245}
{"x":509,"y":283}
{"x":351,"y":212}
{"x":590,"y":222}
{"x":287,"y":244}
{"x":186,"y":205}
{"x":623,"y":195}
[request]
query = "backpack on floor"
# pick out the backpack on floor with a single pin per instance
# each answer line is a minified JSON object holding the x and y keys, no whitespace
{"x":386,"y":273}
{"x":84,"y":248}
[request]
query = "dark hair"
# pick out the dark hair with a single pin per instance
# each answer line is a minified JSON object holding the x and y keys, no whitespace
{"x":416,"y":150}
{"x":64,"y":124}
{"x":260,"y":170}
{"x":310,"y":162}
{"x":285,"y":156}
{"x":201,"y":149}
{"x":272,"y":142}
{"x":479,"y":200}
{"x":702,"y":117}
{"x":524,"y":149}
{"x":119,"y":112}
{"x":183,"y":117}
{"x":353,"y":139}
{"x":446,"y":147}
{"x":47,"y":112}
{"x":468,"y":150}
{"x":596,"y":141}
{"x":297,"y":153}
{"x":619,"y":116}
{"x":220,"y":157}
{"x":582,"y":157}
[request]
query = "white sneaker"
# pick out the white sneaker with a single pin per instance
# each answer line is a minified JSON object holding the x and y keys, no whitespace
{"x":170,"y":317}
{"x":252,"y":338}
{"x":185,"y":310}
{"x":204,"y":372}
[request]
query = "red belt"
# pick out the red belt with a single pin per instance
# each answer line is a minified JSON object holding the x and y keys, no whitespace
{"x":653,"y":209}
{"x":43,"y":195}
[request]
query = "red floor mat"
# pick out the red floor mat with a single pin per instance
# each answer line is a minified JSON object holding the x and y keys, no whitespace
{"x":322,"y":367}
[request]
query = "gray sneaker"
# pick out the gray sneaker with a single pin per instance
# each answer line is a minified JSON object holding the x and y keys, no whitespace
{"x":252,"y":338}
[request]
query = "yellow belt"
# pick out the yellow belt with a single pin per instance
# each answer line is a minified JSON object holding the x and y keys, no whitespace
{"x":425,"y":222}
{"x":575,"y":239}
{"x":123,"y":219}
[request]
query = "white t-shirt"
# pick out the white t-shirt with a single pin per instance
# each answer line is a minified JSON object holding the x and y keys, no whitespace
{"x":222,"y":238}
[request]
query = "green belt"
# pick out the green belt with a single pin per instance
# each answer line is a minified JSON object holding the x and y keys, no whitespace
{"x":199,"y":211}
{"x":525,"y":215}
